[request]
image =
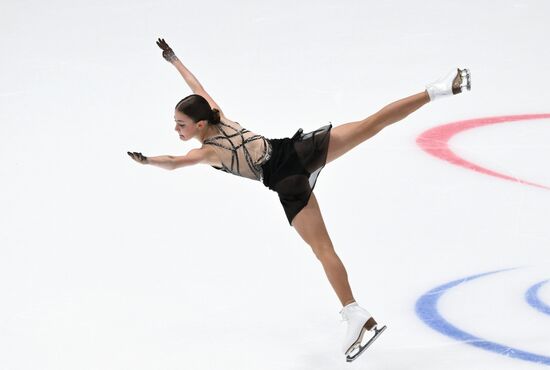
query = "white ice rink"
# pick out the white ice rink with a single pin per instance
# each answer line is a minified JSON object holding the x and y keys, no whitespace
{"x":107,"y":264}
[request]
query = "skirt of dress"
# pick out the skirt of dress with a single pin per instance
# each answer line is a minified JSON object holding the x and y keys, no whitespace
{"x":294,"y":165}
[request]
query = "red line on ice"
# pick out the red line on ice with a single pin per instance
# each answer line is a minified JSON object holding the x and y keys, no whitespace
{"x":435,"y":141}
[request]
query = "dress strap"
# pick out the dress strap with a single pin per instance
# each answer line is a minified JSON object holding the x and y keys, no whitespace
{"x":297,"y":134}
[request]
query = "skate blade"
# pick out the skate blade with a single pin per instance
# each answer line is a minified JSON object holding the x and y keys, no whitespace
{"x":467,"y":78}
{"x":377,"y":332}
{"x":357,"y":342}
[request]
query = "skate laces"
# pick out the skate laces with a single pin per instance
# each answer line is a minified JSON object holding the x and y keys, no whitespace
{"x":351,"y":310}
{"x":345,"y":310}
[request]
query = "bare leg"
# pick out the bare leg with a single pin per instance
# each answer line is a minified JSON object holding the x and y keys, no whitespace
{"x":400,"y":109}
{"x":337,"y":276}
{"x":309,"y":222}
{"x":311,"y":227}
{"x":347,"y":136}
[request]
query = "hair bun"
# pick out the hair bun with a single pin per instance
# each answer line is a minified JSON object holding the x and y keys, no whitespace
{"x":215,"y":116}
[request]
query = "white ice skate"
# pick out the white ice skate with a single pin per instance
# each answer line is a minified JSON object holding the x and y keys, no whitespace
{"x":360,"y":321}
{"x":452,"y":84}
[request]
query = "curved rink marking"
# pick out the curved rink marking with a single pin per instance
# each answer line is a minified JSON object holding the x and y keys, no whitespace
{"x":435,"y":141}
{"x":426,"y":310}
{"x":533,"y":299}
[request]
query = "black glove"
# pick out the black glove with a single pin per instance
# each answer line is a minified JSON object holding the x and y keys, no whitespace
{"x":168,"y":53}
{"x":138,"y":157}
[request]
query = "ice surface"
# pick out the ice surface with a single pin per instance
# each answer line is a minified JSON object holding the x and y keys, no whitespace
{"x":107,"y":264}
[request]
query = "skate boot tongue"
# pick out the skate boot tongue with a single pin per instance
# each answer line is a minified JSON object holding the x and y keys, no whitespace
{"x":345,"y":310}
{"x":350,"y":305}
{"x":354,"y":308}
{"x":354,"y":312}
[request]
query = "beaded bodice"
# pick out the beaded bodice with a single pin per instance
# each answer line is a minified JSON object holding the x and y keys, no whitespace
{"x":240,"y":151}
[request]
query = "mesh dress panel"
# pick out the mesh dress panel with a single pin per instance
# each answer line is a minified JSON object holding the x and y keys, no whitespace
{"x":240,"y":151}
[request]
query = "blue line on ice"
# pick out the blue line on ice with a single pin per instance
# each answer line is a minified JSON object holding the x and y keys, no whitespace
{"x":532,"y":297}
{"x":426,"y":309}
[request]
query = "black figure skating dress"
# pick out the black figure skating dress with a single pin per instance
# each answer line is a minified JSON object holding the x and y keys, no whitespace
{"x":288,"y":166}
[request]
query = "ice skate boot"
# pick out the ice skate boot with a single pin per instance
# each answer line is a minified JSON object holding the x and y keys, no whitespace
{"x":452,"y":84}
{"x":360,"y":321}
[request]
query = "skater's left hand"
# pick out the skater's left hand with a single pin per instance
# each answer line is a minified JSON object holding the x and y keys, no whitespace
{"x":138,"y":157}
{"x":168,"y":53}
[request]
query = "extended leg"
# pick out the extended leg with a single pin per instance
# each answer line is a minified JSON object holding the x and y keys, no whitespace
{"x":347,"y":136}
{"x":400,"y":109}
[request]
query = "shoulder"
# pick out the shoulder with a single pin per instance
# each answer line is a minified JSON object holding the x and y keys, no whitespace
{"x":197,"y":155}
{"x":193,"y":157}
{"x":229,"y":126}
{"x":209,"y":155}
{"x":226,"y":120}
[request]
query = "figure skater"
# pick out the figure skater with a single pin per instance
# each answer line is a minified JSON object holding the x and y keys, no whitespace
{"x":290,"y":167}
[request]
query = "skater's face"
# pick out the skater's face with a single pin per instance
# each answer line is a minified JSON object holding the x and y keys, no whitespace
{"x":185,"y":127}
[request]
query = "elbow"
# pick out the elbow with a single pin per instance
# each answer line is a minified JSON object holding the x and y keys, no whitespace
{"x":171,"y":165}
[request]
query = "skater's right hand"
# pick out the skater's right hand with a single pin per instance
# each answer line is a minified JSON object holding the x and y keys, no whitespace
{"x":138,"y":157}
{"x":168,"y":53}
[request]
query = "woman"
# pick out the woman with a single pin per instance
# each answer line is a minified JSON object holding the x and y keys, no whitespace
{"x":290,"y":167}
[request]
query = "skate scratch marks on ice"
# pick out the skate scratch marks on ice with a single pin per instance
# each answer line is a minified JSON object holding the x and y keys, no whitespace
{"x":426,"y":310}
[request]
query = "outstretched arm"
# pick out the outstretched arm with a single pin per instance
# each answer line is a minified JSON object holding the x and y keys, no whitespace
{"x":162,"y":161}
{"x":170,"y":162}
{"x":169,"y":55}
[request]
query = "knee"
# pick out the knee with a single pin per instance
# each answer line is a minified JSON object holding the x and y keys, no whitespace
{"x":324,"y":251}
{"x":375,"y":123}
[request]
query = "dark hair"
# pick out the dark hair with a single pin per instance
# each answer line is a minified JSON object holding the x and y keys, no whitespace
{"x":197,"y":107}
